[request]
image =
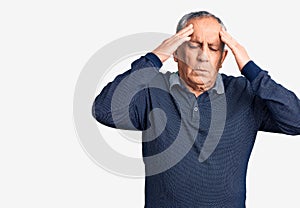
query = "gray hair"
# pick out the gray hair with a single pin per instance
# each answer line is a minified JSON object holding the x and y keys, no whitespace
{"x":183,"y":21}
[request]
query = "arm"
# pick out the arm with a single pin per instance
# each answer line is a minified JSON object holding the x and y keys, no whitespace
{"x":276,"y":108}
{"x":123,"y":102}
{"x":113,"y":106}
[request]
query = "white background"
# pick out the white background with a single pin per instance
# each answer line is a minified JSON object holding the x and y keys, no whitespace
{"x":45,"y":44}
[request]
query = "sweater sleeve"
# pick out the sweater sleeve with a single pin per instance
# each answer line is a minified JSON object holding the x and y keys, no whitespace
{"x":276,"y":108}
{"x":122,"y":103}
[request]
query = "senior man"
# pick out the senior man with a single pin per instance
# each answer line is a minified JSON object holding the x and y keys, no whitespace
{"x":207,"y":122}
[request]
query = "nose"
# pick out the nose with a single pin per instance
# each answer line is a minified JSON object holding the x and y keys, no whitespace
{"x":202,"y":54}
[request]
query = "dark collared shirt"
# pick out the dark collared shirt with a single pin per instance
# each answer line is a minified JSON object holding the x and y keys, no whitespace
{"x":196,"y":149}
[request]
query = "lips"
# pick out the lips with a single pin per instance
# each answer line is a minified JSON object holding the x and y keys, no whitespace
{"x":201,"y":71}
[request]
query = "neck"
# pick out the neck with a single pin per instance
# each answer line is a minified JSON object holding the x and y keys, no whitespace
{"x":197,"y":90}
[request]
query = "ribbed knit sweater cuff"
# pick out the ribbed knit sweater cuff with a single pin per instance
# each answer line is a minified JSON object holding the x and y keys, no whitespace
{"x":154,"y":59}
{"x":251,"y":70}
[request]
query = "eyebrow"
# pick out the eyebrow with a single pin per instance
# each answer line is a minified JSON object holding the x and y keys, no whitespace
{"x":209,"y":44}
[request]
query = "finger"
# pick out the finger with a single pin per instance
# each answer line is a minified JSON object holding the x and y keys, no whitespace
{"x":227,"y":39}
{"x":187,"y":33}
{"x":225,"y":33}
{"x":180,"y":38}
{"x":185,"y":30}
{"x":180,"y":41}
{"x":226,"y":36}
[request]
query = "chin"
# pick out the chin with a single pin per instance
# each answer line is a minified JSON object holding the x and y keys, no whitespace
{"x":196,"y":81}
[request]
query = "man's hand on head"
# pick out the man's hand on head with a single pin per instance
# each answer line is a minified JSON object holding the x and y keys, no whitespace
{"x":170,"y":45}
{"x":239,"y":52}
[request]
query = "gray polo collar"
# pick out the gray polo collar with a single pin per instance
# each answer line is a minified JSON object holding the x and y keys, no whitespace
{"x":218,"y":87}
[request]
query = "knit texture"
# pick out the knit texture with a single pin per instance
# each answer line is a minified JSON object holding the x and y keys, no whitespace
{"x":252,"y":103}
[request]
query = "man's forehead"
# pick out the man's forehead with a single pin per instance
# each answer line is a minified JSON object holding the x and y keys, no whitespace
{"x":205,"y":27}
{"x":205,"y":21}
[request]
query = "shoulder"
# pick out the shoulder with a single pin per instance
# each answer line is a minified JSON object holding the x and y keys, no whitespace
{"x":233,"y":80}
{"x":239,"y":82}
{"x":161,"y":80}
{"x":237,"y":86}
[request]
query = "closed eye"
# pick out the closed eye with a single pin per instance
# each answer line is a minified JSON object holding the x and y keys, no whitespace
{"x":191,"y":45}
{"x":213,"y":49}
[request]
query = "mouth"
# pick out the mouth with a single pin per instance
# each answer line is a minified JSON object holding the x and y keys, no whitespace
{"x":200,"y":70}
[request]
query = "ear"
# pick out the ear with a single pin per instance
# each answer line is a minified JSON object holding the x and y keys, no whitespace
{"x":224,"y":54}
{"x":175,"y":56}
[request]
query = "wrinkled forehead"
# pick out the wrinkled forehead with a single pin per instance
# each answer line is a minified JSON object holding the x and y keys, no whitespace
{"x":205,"y":29}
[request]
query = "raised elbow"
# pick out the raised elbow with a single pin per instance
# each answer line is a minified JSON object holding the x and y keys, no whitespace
{"x":101,"y":114}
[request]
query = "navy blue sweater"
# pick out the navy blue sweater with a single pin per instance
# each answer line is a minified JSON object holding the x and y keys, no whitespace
{"x":196,"y":149}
